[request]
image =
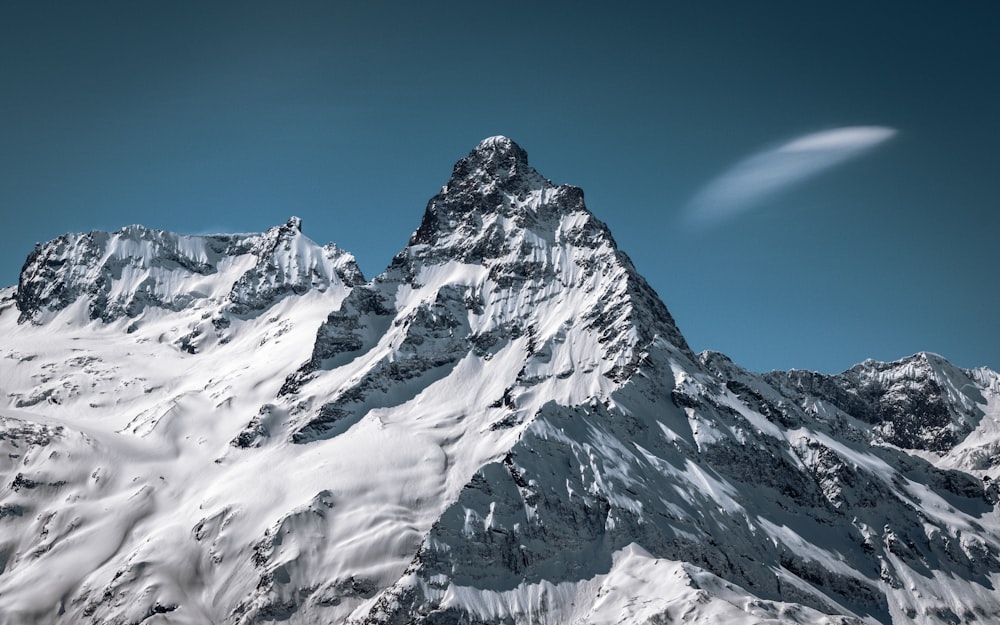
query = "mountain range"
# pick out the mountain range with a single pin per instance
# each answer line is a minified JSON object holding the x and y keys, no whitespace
{"x":504,"y":426}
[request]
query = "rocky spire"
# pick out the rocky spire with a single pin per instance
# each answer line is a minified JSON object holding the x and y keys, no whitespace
{"x":496,"y":157}
{"x":494,"y":179}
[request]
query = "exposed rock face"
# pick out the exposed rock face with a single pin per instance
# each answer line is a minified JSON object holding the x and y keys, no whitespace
{"x":505,"y":426}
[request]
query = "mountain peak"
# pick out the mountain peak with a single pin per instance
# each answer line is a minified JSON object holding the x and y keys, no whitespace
{"x":494,"y":181}
{"x":499,"y":146}
{"x":494,"y":160}
{"x":123,"y":273}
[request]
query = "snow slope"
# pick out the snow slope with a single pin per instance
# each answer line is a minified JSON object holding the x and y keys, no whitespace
{"x":505,"y":426}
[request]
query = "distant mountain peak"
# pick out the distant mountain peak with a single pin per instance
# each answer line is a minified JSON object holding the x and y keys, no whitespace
{"x":123,"y":273}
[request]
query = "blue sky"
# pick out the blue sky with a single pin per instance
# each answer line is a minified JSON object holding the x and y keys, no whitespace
{"x":207,"y":117}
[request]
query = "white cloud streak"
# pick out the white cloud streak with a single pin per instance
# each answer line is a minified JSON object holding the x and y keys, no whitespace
{"x":763,"y":175}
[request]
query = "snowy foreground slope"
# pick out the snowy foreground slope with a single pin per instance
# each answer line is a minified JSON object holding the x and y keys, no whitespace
{"x":505,"y":426}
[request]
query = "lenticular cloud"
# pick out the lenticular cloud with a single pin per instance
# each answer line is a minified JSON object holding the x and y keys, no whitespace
{"x":768,"y":172}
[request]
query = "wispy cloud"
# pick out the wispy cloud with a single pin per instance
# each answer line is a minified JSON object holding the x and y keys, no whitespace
{"x":768,"y":172}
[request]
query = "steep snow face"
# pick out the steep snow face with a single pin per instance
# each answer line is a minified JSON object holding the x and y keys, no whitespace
{"x":503,"y":427}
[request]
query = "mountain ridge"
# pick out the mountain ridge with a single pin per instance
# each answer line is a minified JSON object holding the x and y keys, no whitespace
{"x":504,"y":426}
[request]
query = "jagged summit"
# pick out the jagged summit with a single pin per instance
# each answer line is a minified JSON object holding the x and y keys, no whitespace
{"x":495,"y":179}
{"x":501,"y":214}
{"x":498,"y":157}
{"x":503,"y":144}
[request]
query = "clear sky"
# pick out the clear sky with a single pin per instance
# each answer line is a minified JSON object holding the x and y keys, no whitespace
{"x":209,"y":117}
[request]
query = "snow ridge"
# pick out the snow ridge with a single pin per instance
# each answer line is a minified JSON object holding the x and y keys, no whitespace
{"x":110,"y":276}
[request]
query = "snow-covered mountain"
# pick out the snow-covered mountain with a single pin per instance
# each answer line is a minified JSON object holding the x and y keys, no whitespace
{"x":505,"y":426}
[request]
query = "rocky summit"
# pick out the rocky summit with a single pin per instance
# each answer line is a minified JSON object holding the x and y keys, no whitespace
{"x":505,"y":426}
